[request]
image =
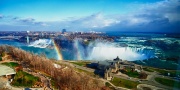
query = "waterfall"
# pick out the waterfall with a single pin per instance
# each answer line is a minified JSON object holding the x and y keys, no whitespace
{"x":27,"y":39}
{"x":41,"y":43}
{"x":125,"y":53}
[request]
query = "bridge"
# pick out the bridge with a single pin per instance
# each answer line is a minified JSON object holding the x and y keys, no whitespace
{"x":10,"y":37}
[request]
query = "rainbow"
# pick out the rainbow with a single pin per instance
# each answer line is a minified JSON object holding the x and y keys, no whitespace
{"x":59,"y":54}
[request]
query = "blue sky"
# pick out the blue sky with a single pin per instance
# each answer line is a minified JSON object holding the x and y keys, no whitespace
{"x":85,"y":15}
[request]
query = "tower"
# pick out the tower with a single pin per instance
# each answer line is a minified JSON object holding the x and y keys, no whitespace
{"x":63,"y":31}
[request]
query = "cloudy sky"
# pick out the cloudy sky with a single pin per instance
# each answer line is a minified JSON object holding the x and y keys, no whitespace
{"x":86,"y":15}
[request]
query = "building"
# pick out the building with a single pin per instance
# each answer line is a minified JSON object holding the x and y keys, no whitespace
{"x":63,"y":31}
{"x":7,"y":71}
{"x":114,"y":66}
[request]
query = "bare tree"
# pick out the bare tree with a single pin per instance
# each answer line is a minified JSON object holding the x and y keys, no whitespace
{"x":64,"y":78}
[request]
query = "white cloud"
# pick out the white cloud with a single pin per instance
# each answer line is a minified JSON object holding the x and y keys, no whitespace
{"x":167,"y":9}
{"x":96,"y":20}
{"x":151,"y":16}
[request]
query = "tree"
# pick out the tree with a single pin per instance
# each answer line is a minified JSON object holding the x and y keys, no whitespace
{"x":0,"y":58}
{"x":64,"y":78}
{"x":143,"y":75}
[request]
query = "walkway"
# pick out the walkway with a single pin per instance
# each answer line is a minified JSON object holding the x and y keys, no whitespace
{"x":149,"y":81}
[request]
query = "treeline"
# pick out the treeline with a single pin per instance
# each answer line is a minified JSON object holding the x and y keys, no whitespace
{"x":64,"y":79}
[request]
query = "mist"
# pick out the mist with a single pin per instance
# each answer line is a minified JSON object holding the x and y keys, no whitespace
{"x":97,"y":50}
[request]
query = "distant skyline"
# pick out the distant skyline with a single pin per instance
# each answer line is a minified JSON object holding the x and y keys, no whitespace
{"x":86,"y":15}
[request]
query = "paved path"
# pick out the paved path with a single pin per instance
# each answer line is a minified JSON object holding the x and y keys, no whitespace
{"x":92,"y":70}
{"x":4,"y":83}
{"x":140,"y":87}
{"x":116,"y":87}
{"x":150,"y":79}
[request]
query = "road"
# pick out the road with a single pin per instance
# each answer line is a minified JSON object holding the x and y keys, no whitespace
{"x":149,"y":81}
{"x":104,"y":80}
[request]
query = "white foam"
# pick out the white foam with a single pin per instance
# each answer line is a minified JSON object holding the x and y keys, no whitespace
{"x":109,"y":51}
{"x":41,"y":43}
{"x":125,"y":53}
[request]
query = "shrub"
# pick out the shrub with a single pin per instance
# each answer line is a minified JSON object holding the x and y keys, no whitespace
{"x":143,"y":75}
{"x":24,"y":79}
{"x":3,"y":54}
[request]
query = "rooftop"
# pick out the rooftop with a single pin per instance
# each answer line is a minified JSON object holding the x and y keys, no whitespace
{"x":5,"y":70}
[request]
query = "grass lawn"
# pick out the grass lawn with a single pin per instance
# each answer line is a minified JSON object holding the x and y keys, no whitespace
{"x":24,"y":79}
{"x":110,"y":86}
{"x":80,"y":63}
{"x":11,"y":64}
{"x":0,"y":58}
{"x":53,"y":83}
{"x":84,"y":71}
{"x":148,"y":69}
{"x":124,"y":83}
{"x":173,"y":73}
{"x":131,"y":73}
{"x":168,"y":82}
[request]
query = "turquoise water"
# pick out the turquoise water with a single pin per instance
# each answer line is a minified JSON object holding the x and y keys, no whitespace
{"x":50,"y":53}
{"x":157,"y":51}
{"x":96,"y":51}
